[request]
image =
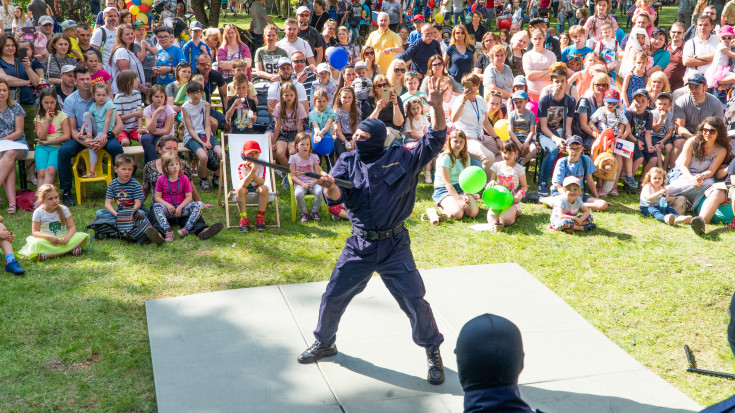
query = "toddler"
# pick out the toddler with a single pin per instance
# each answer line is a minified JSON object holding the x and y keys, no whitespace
{"x":655,"y":202}
{"x":569,"y":213}
{"x":99,"y":121}
{"x":251,"y":179}
{"x":509,"y":174}
{"x":305,"y":161}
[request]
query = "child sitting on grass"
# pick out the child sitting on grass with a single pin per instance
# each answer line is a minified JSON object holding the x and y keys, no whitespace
{"x":173,"y":198}
{"x":251,"y":179}
{"x":509,"y":174}
{"x":6,"y":243}
{"x":569,"y":213}
{"x":305,"y":161}
{"x":654,"y":200}
{"x":53,"y":230}
{"x":448,"y":195}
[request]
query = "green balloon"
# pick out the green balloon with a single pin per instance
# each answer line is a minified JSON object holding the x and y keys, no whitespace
{"x":472,"y":179}
{"x":498,"y":198}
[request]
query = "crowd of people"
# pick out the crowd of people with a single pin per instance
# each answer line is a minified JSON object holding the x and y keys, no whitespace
{"x":528,"y":93}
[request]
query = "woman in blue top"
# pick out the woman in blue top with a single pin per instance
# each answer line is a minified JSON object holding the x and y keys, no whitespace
{"x":460,"y":55}
{"x":661,"y":56}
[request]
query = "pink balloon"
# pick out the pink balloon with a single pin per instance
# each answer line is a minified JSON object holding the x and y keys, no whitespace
{"x":533,"y":107}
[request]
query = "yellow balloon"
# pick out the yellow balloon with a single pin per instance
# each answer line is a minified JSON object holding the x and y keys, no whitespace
{"x":134,"y":10}
{"x":501,"y":128}
{"x":142,"y":17}
{"x":439,"y":18}
{"x":148,"y":2}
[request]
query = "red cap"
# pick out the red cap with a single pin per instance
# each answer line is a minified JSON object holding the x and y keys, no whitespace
{"x":612,"y":96}
{"x":250,"y":146}
{"x":418,"y":18}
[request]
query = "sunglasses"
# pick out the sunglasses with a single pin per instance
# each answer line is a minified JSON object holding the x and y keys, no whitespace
{"x":205,"y":64}
{"x":300,"y":61}
{"x":575,"y":148}
{"x":726,"y":37}
{"x":437,"y":64}
{"x":370,"y":53}
{"x":601,"y":85}
{"x":673,"y":32}
{"x":382,"y":85}
{"x":708,"y":131}
{"x":399,"y":70}
{"x":495,"y":93}
{"x":412,"y":73}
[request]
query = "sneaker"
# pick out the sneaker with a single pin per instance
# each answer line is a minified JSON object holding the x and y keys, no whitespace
{"x":683,"y":219}
{"x":427,"y":177}
{"x":630,"y":181}
{"x":697,"y":225}
{"x":497,"y":228}
{"x":215,"y":181}
{"x":210,"y":231}
{"x":154,"y":236}
{"x":68,"y":198}
{"x":284,"y":183}
{"x":669,"y":219}
{"x":204,"y":186}
{"x":304,"y":217}
{"x":589,"y":227}
{"x":169,"y":236}
{"x":315,"y":216}
{"x":42,"y":257}
{"x":260,"y":223}
{"x":436,"y":367}
{"x":76,"y":252}
{"x":316,"y":352}
{"x":14,"y":267}
{"x":543,"y":188}
{"x":183,"y":232}
{"x":244,"y":224}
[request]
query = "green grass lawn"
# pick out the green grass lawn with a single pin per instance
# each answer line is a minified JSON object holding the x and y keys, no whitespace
{"x":74,"y":334}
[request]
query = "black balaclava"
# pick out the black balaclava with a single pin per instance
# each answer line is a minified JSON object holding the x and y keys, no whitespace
{"x":489,"y":360}
{"x":370,"y":150}
{"x":731,"y":326}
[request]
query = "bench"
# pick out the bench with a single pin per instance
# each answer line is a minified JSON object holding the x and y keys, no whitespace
{"x":128,"y":150}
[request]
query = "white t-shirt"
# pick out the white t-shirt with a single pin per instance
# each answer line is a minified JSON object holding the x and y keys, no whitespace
{"x":124,"y":54}
{"x":507,"y":176}
{"x":700,"y":48}
{"x":274,"y":91}
{"x":472,"y":116}
{"x":300,"y":45}
{"x":533,"y":60}
{"x":51,"y":222}
{"x":105,"y":48}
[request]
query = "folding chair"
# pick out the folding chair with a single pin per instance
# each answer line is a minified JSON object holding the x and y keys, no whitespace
{"x":224,"y":196}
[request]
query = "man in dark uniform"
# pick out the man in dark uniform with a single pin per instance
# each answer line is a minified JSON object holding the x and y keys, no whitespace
{"x":383,"y":196}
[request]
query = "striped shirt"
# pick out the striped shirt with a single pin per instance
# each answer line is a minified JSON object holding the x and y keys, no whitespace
{"x":125,"y":105}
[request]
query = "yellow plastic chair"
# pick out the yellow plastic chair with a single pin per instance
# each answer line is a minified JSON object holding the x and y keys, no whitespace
{"x":295,"y":208}
{"x":101,"y":175}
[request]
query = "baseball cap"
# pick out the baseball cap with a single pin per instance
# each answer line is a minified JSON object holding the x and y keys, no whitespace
{"x":538,"y":20}
{"x":283,"y":61}
{"x":46,"y":20}
{"x":696,"y":79}
{"x":68,"y":24}
{"x":248,"y":147}
{"x":322,"y":67}
{"x":612,"y":96}
{"x":519,"y":80}
{"x":360,"y":65}
{"x":574,"y":139}
{"x":139,"y":23}
{"x":727,"y":30}
{"x":643,"y":92}
{"x":665,"y":95}
{"x":571,"y":180}
{"x":520,"y":94}
{"x":67,"y":68}
{"x":302,"y":9}
{"x":195,"y":25}
{"x":418,"y":18}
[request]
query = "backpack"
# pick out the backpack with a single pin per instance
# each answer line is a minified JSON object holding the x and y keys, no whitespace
{"x":576,"y":125}
{"x":25,"y":199}
{"x":130,"y":226}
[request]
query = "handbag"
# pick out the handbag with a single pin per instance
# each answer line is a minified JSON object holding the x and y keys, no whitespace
{"x":15,"y":94}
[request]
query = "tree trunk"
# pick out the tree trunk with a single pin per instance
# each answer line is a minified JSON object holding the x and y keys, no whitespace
{"x":211,"y":20}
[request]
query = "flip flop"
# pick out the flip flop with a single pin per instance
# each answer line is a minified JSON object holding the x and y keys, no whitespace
{"x":12,"y":209}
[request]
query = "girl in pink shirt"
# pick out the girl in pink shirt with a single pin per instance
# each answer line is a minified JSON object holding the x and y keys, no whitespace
{"x":173,"y":199}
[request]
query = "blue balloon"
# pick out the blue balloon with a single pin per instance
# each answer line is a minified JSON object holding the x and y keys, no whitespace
{"x":338,"y":58}
{"x":136,"y":2}
{"x":325,"y":146}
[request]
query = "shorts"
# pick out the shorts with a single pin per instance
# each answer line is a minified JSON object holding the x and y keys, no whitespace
{"x":46,"y":157}
{"x":194,"y":146}
{"x":441,"y":192}
{"x":647,"y":156}
{"x":287,"y":136}
{"x":129,"y":135}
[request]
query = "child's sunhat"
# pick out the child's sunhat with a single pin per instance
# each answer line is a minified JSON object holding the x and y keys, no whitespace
{"x":571,"y":180}
{"x":323,"y":67}
{"x":612,"y":96}
{"x":726,"y":30}
{"x":520,"y":94}
{"x":360,"y":65}
{"x":519,"y":80}
{"x":68,"y":24}
{"x":248,"y":147}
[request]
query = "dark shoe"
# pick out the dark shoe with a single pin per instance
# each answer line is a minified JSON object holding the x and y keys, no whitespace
{"x":244,"y":224}
{"x":315,"y":216}
{"x":543,"y":188}
{"x":14,"y":267}
{"x":154,"y":236}
{"x":68,"y":199}
{"x":210,"y":231}
{"x":317,"y":351}
{"x":697,"y":225}
{"x":589,"y":227}
{"x":215,"y":181}
{"x":204,"y":186}
{"x":436,"y":367}
{"x":260,"y":223}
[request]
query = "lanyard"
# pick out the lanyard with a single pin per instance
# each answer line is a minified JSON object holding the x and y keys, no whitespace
{"x":476,"y":108}
{"x":171,"y":192}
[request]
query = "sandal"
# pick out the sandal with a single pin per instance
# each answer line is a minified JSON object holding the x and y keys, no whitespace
{"x":614,"y":192}
{"x":89,"y":175}
{"x":12,"y":209}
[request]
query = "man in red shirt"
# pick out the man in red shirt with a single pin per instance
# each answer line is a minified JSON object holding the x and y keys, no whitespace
{"x":675,"y":70}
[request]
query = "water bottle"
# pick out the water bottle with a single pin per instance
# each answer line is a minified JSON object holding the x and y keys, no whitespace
{"x":663,"y":203}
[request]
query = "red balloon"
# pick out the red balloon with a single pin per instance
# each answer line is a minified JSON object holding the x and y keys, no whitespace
{"x":143,"y":8}
{"x":504,"y":24}
{"x":431,"y":4}
{"x":129,"y":4}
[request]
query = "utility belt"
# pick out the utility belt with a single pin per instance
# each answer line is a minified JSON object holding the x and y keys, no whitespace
{"x":379,"y":235}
